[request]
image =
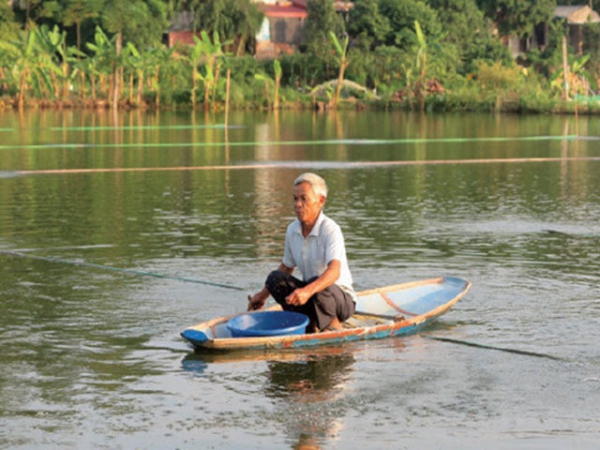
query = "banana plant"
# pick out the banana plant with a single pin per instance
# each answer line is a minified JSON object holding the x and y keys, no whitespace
{"x":422,"y":52}
{"x":30,"y":68}
{"x":61,"y":58}
{"x":578,"y":78}
{"x":211,"y":53}
{"x":105,"y":56}
{"x":137,"y":63}
{"x":278,"y":73}
{"x":198,"y":50}
{"x":341,"y":49}
{"x":266,"y":80}
{"x":162,"y":68}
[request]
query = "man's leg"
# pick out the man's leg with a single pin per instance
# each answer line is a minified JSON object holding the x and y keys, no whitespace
{"x":332,"y":307}
{"x":280,"y":285}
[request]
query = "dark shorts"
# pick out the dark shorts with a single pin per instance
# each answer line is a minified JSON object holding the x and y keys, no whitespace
{"x":322,"y":307}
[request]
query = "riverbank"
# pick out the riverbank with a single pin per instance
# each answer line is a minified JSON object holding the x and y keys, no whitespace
{"x":447,"y":102}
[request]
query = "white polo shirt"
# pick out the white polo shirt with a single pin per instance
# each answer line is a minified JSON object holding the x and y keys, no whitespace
{"x":312,"y":254}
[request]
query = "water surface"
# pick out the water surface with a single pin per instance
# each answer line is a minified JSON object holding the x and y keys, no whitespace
{"x":91,"y":356}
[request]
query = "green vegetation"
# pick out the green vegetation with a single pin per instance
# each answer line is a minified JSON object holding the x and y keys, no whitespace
{"x":419,"y":54}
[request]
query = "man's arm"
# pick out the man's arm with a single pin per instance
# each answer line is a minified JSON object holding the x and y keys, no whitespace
{"x":301,"y":295}
{"x":258,"y":300}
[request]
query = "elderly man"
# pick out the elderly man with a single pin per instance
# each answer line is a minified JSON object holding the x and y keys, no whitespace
{"x":314,"y":243}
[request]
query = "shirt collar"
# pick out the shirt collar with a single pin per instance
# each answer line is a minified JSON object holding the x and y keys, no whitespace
{"x":315,"y":228}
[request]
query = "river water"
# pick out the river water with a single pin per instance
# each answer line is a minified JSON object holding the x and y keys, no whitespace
{"x":195,"y":212}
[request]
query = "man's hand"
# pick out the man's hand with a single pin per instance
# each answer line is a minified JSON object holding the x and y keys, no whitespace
{"x":258,"y":300}
{"x":299,"y":297}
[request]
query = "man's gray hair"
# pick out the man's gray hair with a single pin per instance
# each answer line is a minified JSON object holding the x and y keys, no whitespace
{"x":317,"y":183}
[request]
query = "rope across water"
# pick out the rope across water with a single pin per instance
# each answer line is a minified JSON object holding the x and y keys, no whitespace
{"x":115,"y":269}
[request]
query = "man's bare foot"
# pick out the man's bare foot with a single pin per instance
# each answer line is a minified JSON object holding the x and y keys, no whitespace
{"x":334,"y":325}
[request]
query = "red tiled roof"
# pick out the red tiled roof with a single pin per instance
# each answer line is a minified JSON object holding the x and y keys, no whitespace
{"x":283,"y":11}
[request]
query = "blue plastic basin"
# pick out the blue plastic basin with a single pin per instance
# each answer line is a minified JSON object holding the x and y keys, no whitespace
{"x":268,"y":323}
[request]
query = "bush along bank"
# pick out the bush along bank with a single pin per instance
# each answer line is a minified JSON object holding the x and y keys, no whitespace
{"x":205,"y":76}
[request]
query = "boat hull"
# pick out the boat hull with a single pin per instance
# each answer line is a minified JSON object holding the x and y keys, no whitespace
{"x":380,"y":313}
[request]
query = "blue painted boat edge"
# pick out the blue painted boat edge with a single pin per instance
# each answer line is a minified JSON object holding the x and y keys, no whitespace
{"x":195,"y":337}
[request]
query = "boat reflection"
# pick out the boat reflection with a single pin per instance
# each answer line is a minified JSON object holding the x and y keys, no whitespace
{"x":310,"y":393}
{"x":307,"y":389}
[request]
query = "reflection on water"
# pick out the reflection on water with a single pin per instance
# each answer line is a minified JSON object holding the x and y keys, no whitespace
{"x":307,"y":388}
{"x":308,"y":392}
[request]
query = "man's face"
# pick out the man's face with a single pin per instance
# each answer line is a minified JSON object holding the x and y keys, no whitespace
{"x":307,"y":204}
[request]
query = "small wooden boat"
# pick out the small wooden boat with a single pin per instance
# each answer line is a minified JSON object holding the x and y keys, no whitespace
{"x":384,"y":312}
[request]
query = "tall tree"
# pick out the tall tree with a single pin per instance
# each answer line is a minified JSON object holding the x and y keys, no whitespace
{"x":470,"y":33}
{"x":236,"y":21}
{"x":518,"y":16}
{"x":366,"y":22}
{"x":402,"y":14}
{"x":322,"y":19}
{"x":75,"y":12}
{"x":9,"y":28}
{"x":139,"y":21}
{"x":246,"y":22}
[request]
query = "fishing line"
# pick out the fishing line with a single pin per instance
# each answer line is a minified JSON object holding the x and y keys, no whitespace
{"x":115,"y":269}
{"x":491,"y":347}
{"x":306,"y":164}
{"x":571,"y":235}
{"x":319,"y":142}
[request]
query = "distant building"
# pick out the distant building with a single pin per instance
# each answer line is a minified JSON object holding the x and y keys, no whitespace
{"x":181,"y":30}
{"x":575,"y":17}
{"x":282,"y":31}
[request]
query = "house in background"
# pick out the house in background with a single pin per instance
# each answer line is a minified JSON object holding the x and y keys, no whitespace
{"x":576,"y":17}
{"x":286,"y":25}
{"x":181,"y":30}
{"x":282,"y":31}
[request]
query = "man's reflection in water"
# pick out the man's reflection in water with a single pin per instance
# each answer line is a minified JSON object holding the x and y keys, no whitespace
{"x":311,"y":394}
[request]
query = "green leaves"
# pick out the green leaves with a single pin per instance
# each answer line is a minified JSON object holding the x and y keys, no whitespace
{"x":340,"y":48}
{"x":322,"y":20}
{"x":517,"y":16}
{"x":235,"y":21}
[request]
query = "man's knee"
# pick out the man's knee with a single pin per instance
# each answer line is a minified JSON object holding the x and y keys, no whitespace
{"x":275,"y":278}
{"x":334,"y":302}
